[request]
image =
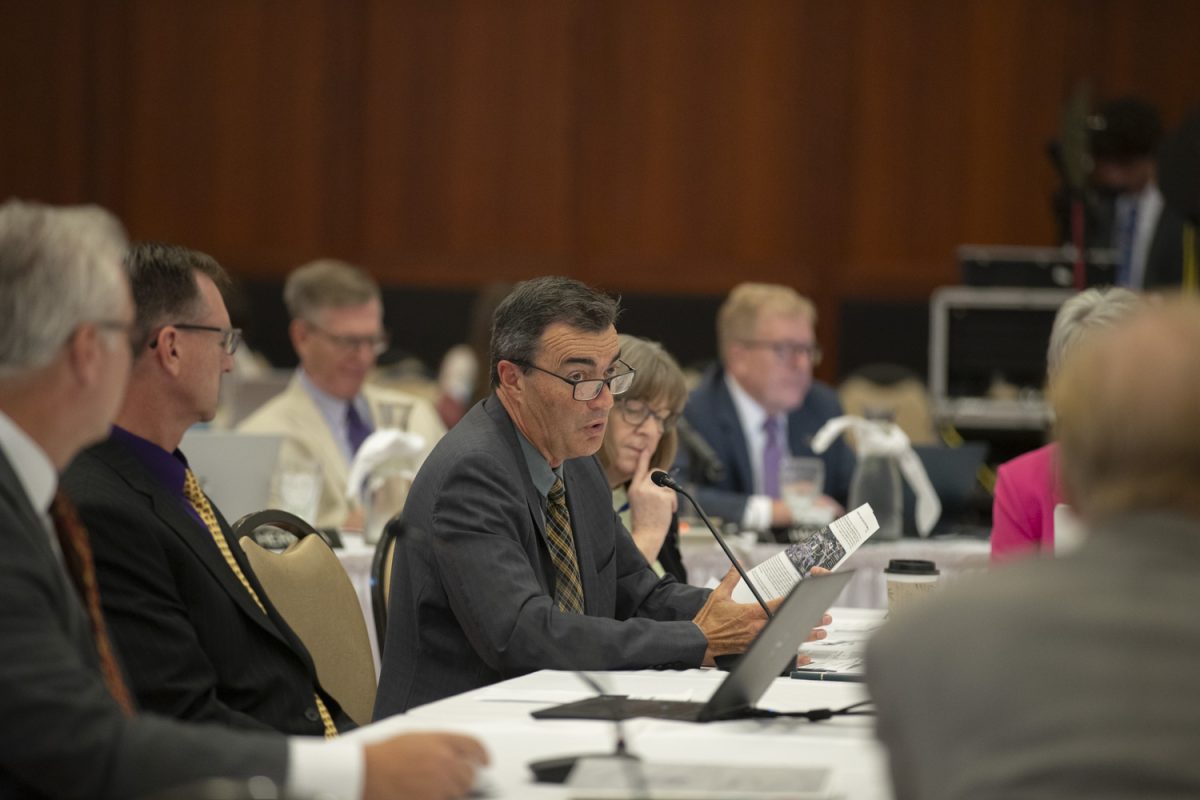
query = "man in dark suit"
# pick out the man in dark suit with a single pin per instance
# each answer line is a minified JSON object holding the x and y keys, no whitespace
{"x":200,"y":637}
{"x":761,"y":405}
{"x":68,"y":726}
{"x":1073,"y":677}
{"x":513,"y":559}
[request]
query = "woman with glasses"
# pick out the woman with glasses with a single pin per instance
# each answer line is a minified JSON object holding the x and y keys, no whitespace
{"x":641,"y":438}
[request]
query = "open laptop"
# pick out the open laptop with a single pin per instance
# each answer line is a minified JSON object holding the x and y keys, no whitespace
{"x":776,"y":645}
{"x":234,"y":469}
{"x":954,"y":473}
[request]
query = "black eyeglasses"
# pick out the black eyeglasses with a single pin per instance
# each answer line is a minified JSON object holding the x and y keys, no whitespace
{"x":787,"y":351}
{"x":585,"y":389}
{"x":635,"y":412}
{"x":377,"y":343}
{"x":230,"y":337}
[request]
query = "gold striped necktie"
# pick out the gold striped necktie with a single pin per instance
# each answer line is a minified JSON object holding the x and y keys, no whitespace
{"x":568,"y":591}
{"x":191,"y":491}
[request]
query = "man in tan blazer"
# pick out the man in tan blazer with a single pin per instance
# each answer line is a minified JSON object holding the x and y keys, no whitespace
{"x":328,"y":408}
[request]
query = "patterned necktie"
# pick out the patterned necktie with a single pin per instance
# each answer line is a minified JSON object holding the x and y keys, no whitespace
{"x":568,"y":591}
{"x":77,"y":557}
{"x":772,"y":457}
{"x":198,"y":501}
{"x":357,"y":430}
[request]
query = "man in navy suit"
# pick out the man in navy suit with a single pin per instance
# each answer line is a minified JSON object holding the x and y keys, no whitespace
{"x":761,"y":405}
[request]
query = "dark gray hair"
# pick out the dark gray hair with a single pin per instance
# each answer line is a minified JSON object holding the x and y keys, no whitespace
{"x":163,"y":278}
{"x":534,"y":305}
{"x":327,"y":283}
{"x":59,"y":268}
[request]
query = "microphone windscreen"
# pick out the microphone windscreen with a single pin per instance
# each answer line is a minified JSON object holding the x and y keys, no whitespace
{"x":660,"y":478}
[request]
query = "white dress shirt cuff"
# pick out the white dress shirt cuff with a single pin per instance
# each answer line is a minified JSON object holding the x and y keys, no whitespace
{"x":320,"y":768}
{"x":758,"y":513}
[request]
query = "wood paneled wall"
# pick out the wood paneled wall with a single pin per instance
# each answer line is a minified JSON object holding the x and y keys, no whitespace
{"x":843,"y":147}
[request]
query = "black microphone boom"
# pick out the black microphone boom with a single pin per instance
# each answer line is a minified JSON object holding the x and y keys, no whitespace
{"x":660,"y":478}
{"x":703,"y":461}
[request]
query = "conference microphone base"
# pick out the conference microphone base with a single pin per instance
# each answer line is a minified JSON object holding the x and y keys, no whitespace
{"x":558,"y":769}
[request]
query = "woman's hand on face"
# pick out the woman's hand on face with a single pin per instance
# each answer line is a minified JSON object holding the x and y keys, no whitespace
{"x":650,"y":509}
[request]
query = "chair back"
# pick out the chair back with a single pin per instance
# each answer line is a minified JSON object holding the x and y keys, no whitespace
{"x":898,"y":392}
{"x":312,"y":592}
{"x":381,"y":575}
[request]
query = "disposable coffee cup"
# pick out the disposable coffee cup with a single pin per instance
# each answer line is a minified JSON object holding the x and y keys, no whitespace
{"x":908,"y":581}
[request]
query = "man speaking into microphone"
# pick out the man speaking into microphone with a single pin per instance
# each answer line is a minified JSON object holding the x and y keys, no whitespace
{"x":513,"y":559}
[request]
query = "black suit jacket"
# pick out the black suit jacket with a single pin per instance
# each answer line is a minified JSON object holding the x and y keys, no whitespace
{"x":195,"y":644}
{"x":711,"y":412}
{"x":472,"y":582}
{"x":61,"y":733}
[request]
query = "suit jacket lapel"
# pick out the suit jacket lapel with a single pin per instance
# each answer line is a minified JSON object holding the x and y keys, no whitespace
{"x":34,"y":528}
{"x":308,"y":417}
{"x":169,"y":509}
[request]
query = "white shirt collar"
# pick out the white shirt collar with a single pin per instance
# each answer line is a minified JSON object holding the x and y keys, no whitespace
{"x":751,"y":415}
{"x":34,"y":469}
{"x":333,"y":409}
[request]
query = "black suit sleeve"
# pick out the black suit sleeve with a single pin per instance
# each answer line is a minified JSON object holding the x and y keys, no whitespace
{"x":170,"y":670}
{"x":61,"y":733}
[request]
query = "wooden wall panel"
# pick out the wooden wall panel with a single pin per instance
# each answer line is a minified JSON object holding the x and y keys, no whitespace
{"x":652,"y":145}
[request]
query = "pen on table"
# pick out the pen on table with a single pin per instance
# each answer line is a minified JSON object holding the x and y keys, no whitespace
{"x":825,"y":675}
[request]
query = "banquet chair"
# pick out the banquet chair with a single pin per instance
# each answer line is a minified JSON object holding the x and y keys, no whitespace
{"x":381,"y":575}
{"x":894,"y":391}
{"x":310,"y":589}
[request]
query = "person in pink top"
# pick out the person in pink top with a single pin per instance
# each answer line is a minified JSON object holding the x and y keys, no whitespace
{"x":1027,"y":487}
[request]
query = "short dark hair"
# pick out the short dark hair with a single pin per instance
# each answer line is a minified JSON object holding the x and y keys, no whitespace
{"x":1125,"y":129}
{"x":163,"y":280}
{"x":534,"y":305}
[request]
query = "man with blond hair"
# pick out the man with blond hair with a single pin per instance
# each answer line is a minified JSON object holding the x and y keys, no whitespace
{"x":1073,"y":677}
{"x":69,"y":727}
{"x":761,"y":405}
{"x":329,"y":409}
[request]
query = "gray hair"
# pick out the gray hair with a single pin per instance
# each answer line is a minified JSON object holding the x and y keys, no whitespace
{"x":59,"y":268}
{"x":1088,"y":311}
{"x":327,"y":283}
{"x":534,"y":305}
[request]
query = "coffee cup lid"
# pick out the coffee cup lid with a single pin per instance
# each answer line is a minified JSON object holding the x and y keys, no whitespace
{"x":911,"y":566}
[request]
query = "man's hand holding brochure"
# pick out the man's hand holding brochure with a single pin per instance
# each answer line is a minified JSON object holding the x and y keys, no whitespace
{"x":828,"y":548}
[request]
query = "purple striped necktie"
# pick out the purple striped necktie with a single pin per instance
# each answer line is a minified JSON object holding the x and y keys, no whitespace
{"x":772,"y":457}
{"x":357,"y":430}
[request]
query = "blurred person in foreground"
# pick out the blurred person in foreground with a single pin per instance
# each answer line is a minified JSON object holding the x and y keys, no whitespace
{"x":1027,"y":487}
{"x":513,"y":559}
{"x":329,"y":408}
{"x":761,"y":405}
{"x":1073,"y":677}
{"x":641,"y":438}
{"x":69,"y":727}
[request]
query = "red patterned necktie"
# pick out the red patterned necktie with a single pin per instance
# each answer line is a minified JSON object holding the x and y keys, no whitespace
{"x":77,"y":556}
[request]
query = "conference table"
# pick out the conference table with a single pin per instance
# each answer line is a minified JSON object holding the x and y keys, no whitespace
{"x":499,"y":715}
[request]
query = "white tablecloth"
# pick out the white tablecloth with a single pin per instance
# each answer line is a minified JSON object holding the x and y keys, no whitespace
{"x":499,"y":716}
{"x":705,"y":562}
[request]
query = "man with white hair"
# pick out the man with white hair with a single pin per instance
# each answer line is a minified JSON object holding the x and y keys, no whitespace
{"x":69,"y":727}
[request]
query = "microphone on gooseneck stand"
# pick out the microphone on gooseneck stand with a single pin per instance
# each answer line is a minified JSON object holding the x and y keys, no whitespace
{"x":660,"y":478}
{"x":703,"y":461}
